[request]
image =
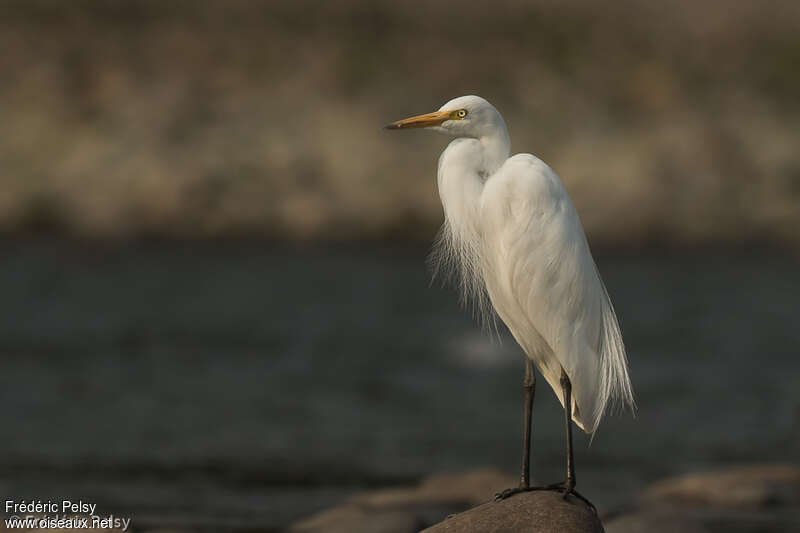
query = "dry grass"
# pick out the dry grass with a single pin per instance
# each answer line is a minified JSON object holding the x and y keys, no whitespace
{"x":670,"y":123}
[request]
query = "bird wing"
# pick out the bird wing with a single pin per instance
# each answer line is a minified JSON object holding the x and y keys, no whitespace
{"x":543,"y":282}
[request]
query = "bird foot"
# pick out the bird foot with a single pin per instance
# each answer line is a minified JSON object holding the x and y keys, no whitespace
{"x":502,"y":495}
{"x":563,"y":487}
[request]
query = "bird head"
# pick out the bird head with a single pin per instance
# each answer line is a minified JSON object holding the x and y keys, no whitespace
{"x":465,"y":116}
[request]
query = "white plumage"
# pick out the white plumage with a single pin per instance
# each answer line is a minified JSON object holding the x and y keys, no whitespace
{"x":515,"y":238}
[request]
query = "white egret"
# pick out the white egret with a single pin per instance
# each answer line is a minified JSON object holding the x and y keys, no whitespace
{"x":515,"y":239}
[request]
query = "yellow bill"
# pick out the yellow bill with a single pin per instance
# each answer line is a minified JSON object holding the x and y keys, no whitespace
{"x":422,"y":121}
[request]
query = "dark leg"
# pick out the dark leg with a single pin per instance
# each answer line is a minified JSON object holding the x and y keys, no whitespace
{"x":566,"y":386}
{"x":530,"y":390}
{"x":529,"y":385}
{"x":569,"y":485}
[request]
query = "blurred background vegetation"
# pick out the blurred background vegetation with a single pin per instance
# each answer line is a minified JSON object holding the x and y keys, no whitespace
{"x":671,"y":123}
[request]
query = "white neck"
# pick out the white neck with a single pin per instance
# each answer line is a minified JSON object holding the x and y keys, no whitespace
{"x":464,"y":167}
{"x":496,"y":149}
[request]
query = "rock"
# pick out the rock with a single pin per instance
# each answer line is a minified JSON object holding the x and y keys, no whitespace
{"x":528,"y":512}
{"x":763,"y":498}
{"x":408,"y":510}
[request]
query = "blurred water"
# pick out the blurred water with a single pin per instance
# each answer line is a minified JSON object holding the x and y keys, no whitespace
{"x":240,"y":385}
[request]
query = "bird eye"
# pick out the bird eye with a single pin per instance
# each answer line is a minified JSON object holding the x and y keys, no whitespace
{"x":462,"y":113}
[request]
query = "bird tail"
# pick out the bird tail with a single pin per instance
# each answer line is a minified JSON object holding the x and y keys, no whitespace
{"x":615,"y":390}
